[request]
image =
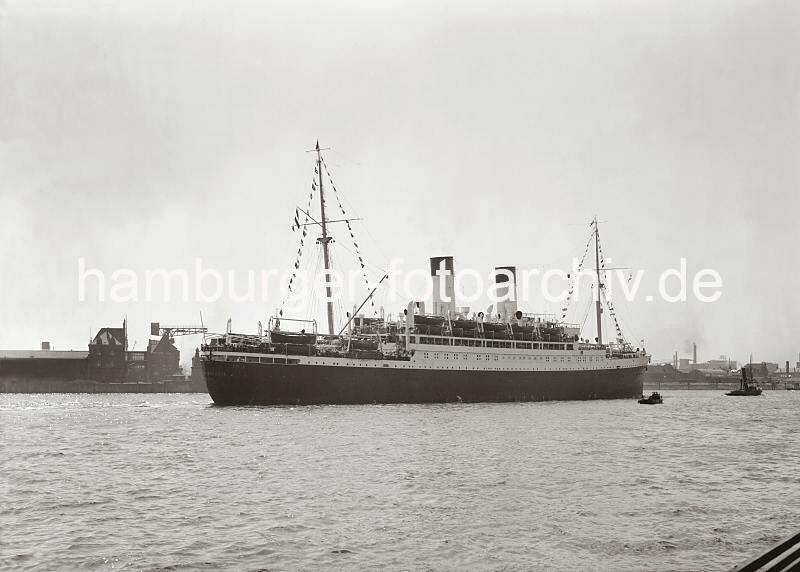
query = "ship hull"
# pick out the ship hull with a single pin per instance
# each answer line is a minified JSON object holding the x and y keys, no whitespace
{"x":236,"y":383}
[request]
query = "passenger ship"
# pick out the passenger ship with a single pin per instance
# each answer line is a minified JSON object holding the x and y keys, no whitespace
{"x":446,"y":355}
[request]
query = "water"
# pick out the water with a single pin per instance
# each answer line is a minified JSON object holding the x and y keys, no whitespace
{"x":130,"y":482}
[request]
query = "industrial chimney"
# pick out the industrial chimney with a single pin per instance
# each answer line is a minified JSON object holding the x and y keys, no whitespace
{"x":443,"y":286}
{"x":694,"y":353}
{"x":505,"y":279}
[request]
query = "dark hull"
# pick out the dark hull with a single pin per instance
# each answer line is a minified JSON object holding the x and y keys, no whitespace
{"x":236,"y":383}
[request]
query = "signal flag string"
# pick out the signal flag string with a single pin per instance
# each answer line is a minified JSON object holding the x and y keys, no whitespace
{"x":573,"y":279}
{"x":352,"y":237}
{"x":296,"y":225}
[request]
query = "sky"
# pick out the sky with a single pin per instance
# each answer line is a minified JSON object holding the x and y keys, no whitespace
{"x":142,"y":135}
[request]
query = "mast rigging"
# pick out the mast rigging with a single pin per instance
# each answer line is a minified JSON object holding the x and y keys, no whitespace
{"x":598,"y":303}
{"x":325,"y":240}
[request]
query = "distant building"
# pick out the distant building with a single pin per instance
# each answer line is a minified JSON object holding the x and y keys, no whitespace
{"x":108,"y":360}
{"x":137,"y":366}
{"x":107,"y":354}
{"x":762,"y":369}
{"x":162,"y":359}
{"x":720,"y":366}
{"x":702,"y":369}
{"x":43,"y":364}
{"x":771,"y":367}
{"x":723,"y":363}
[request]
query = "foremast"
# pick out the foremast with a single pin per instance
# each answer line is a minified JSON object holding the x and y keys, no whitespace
{"x":598,"y":303}
{"x":324,"y":240}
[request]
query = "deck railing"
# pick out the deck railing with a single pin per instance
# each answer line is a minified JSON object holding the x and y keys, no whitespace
{"x":782,"y":557}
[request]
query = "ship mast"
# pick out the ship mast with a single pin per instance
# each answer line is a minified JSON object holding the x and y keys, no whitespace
{"x":324,"y":240}
{"x":598,"y":304}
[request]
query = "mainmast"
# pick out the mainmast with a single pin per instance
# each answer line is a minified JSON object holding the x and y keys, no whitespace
{"x":324,"y":240}
{"x":598,"y":303}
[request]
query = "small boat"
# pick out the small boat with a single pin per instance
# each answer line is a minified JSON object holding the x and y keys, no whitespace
{"x":654,"y":399}
{"x":364,"y":344}
{"x":428,"y":320}
{"x":301,"y":338}
{"x":746,"y":387}
{"x":749,"y":390}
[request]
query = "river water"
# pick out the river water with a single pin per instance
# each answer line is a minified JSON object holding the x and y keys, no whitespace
{"x":131,"y":482}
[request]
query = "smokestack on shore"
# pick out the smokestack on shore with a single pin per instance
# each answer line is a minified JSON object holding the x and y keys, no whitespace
{"x":505,"y":279}
{"x":694,"y":353}
{"x":444,"y":295}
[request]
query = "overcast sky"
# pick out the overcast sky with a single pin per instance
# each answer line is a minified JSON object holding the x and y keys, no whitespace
{"x":140,"y":134}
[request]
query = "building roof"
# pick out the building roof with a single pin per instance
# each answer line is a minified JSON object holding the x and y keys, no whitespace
{"x":162,"y":345}
{"x":43,"y":354}
{"x":110,"y":337}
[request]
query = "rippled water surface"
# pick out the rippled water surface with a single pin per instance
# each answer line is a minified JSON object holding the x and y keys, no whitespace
{"x":129,"y":482}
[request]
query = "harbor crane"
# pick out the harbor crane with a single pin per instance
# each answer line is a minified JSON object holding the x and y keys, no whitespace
{"x":156,"y":329}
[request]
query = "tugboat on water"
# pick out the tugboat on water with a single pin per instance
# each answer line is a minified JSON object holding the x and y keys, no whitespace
{"x":447,"y":355}
{"x":654,"y":399}
{"x":746,"y":387}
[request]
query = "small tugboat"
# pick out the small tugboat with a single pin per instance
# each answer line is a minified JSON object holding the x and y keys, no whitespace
{"x":746,"y":387}
{"x":654,"y":399}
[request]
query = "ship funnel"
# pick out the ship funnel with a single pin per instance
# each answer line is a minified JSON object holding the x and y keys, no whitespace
{"x":505,"y":280}
{"x":409,"y":315}
{"x":444,"y":295}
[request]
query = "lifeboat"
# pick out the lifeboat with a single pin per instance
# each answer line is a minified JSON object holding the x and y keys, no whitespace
{"x":430,"y":330}
{"x":299,"y":338}
{"x":428,"y":320}
{"x":496,"y":335}
{"x":364,"y":344}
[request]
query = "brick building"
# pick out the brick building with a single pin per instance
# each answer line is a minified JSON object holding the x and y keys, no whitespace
{"x":107,"y":355}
